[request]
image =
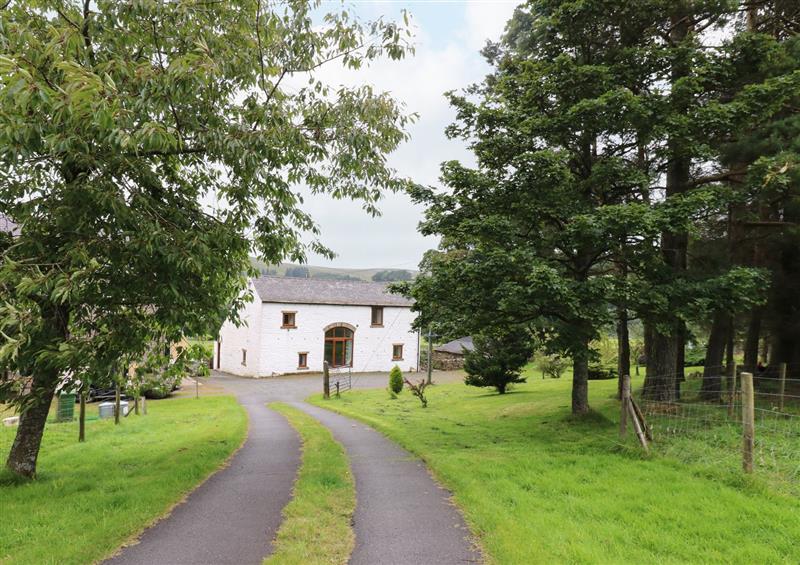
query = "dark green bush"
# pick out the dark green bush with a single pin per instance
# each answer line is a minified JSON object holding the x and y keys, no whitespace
{"x":498,"y":358}
{"x":396,"y":380}
{"x":597,"y":373}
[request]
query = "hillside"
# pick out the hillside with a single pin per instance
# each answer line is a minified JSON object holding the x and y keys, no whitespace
{"x":324,"y":272}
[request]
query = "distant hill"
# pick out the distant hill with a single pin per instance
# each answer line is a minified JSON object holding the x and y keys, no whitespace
{"x":329,"y":272}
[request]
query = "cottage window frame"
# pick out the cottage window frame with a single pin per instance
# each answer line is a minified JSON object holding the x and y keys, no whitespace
{"x":376,"y":313}
{"x":289,"y":319}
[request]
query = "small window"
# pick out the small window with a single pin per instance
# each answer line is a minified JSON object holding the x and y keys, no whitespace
{"x":244,"y":357}
{"x":289,"y":320}
{"x":302,"y":360}
{"x":397,"y":352}
{"x":377,"y":315}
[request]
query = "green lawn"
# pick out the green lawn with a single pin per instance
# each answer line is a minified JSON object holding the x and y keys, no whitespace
{"x":539,"y":486}
{"x":89,"y":498}
{"x":317,"y":526}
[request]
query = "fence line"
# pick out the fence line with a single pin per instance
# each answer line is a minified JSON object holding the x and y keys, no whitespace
{"x":719,"y":419}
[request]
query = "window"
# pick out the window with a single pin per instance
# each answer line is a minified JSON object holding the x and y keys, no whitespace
{"x":377,"y":316}
{"x":289,"y":320}
{"x":302,"y":360}
{"x":339,"y":347}
{"x":244,"y":357}
{"x":397,"y":352}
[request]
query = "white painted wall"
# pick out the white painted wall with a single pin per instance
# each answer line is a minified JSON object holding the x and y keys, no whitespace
{"x":233,"y":340}
{"x":278,"y":348}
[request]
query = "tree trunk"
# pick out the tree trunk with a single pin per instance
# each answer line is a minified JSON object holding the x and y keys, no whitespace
{"x":580,"y":382}
{"x":711,"y":386}
{"x":661,"y":354}
{"x":680,"y":358}
{"x":752,"y":339}
{"x":25,"y":450}
{"x":623,"y":348}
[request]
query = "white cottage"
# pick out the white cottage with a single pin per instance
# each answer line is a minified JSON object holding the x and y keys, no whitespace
{"x":295,"y":324}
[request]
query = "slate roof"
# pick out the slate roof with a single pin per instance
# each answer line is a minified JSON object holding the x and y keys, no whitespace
{"x":292,"y":290}
{"x":7,"y":226}
{"x":457,"y":346}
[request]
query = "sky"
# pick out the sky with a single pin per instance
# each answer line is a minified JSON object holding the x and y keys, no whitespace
{"x":448,"y":37}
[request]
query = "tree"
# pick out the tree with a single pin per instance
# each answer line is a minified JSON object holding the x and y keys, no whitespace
{"x":392,"y":276}
{"x":498,"y":357}
{"x":297,"y":271}
{"x":119,"y":121}
{"x":565,"y":220}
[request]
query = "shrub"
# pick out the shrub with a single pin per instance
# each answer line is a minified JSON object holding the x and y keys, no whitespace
{"x":552,"y":366}
{"x":395,"y":380}
{"x":418,"y":390}
{"x":498,"y":358}
{"x":597,"y":373}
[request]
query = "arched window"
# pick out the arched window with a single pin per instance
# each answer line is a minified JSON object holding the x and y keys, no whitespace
{"x":339,"y":347}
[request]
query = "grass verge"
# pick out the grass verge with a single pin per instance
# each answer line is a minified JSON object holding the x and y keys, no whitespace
{"x":90,"y":498}
{"x":317,"y":528}
{"x":540,"y":486}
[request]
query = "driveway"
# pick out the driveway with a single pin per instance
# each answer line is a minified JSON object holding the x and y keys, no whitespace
{"x":402,"y":515}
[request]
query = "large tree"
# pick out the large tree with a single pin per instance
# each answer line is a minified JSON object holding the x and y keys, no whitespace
{"x":590,"y":182}
{"x":121,"y":123}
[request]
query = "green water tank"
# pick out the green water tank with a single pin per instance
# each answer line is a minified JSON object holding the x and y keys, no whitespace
{"x":66,"y":407}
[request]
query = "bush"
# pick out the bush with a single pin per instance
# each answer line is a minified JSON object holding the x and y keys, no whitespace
{"x":498,"y":358}
{"x":597,"y":373}
{"x":395,"y":380}
{"x":552,"y":366}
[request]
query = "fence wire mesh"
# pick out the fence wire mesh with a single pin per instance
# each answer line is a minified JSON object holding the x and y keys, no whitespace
{"x":703,"y":419}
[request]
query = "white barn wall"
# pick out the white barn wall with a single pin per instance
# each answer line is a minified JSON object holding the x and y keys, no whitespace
{"x":372,"y":347}
{"x":233,"y":340}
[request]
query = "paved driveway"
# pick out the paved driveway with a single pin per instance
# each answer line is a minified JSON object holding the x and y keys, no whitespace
{"x":403,"y":517}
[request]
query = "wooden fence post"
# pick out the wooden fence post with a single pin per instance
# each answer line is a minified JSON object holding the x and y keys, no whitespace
{"x":748,"y":421}
{"x":623,"y":415}
{"x":782,"y":385}
{"x":337,"y":389}
{"x":144,"y":405}
{"x":326,"y":381}
{"x":82,"y":413}
{"x":732,"y":392}
{"x":117,"y":396}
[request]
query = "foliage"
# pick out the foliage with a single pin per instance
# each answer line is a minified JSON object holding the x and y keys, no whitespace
{"x":297,"y":272}
{"x":396,"y":380}
{"x":566,"y":216}
{"x":120,"y":122}
{"x":392,"y":276}
{"x":132,"y":472}
{"x":418,"y":390}
{"x":158,"y":374}
{"x":552,"y":366}
{"x":497,"y":358}
{"x":528,"y":449}
{"x":600,"y":373}
{"x":317,"y":525}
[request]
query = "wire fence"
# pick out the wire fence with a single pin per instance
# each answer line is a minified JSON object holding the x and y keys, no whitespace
{"x":708,"y":416}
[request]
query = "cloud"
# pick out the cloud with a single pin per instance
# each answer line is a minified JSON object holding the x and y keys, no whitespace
{"x":486,"y":20}
{"x":447,"y":58}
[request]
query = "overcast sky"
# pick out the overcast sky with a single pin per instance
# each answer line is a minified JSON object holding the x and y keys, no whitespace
{"x":449,"y":35}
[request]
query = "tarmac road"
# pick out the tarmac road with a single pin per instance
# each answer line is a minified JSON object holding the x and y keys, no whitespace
{"x":403,"y":517}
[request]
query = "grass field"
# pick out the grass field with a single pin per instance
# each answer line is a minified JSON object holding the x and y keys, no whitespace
{"x":317,"y":525}
{"x":90,"y":498}
{"x":540,"y":486}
